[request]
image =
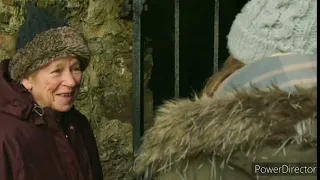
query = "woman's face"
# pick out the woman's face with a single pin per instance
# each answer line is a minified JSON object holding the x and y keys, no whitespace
{"x":57,"y":84}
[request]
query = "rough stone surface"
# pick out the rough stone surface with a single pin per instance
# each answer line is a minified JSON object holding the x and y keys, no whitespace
{"x":7,"y":2}
{"x":114,"y":140}
{"x":106,"y":91}
{"x":7,"y":45}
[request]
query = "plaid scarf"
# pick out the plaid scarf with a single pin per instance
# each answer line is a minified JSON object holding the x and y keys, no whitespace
{"x":285,"y":72}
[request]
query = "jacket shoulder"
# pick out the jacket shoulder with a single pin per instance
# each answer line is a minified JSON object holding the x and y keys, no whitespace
{"x":14,"y":136}
{"x":245,"y":121}
{"x":13,"y":127}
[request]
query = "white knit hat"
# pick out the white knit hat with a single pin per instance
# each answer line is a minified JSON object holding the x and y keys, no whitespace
{"x":266,"y":27}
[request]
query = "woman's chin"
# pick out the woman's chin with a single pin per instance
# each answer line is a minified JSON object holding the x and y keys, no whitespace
{"x":62,"y":108}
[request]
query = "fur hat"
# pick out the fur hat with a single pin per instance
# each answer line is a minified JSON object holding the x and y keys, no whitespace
{"x":266,"y":27}
{"x":43,"y":38}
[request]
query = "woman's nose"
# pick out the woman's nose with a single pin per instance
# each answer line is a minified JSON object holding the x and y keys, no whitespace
{"x":69,"y":80}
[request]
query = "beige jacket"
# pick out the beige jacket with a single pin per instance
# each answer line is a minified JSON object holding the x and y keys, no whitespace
{"x":224,"y":137}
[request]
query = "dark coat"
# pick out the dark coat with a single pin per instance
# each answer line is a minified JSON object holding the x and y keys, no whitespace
{"x":34,"y":147}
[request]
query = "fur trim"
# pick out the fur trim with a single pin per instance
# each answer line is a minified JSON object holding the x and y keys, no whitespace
{"x":245,"y":121}
{"x":47,"y":46}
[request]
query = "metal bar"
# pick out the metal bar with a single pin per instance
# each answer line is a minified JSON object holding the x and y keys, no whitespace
{"x":137,"y":76}
{"x":216,"y":37}
{"x":177,"y":48}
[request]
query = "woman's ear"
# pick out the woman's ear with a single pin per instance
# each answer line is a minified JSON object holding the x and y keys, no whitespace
{"x":27,"y":84}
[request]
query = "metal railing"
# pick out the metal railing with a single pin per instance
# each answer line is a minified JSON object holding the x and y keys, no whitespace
{"x":137,"y":74}
{"x":138,"y":59}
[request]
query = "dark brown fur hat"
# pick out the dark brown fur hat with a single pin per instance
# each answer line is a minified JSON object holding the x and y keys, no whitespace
{"x":42,"y":40}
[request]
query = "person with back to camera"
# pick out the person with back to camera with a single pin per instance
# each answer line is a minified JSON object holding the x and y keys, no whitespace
{"x":261,"y":107}
{"x":42,"y":135}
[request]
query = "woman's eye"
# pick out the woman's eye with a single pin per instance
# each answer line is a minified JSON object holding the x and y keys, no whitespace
{"x":77,"y":69}
{"x":56,"y":71}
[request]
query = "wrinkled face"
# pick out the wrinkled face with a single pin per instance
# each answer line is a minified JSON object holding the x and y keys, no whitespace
{"x":56,"y":85}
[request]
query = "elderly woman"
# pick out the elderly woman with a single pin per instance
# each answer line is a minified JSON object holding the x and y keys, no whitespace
{"x":256,"y":119}
{"x":42,"y":135}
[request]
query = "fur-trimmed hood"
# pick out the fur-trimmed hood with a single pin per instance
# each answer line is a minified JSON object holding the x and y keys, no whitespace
{"x":245,"y":121}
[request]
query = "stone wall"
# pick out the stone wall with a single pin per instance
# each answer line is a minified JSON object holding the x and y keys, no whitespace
{"x":106,"y":92}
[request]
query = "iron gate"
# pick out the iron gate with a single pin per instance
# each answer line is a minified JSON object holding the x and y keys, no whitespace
{"x":138,"y":70}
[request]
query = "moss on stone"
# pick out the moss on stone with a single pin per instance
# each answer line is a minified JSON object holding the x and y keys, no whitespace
{"x":114,"y":140}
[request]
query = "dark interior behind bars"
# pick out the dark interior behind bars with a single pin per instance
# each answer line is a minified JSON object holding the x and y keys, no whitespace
{"x":196,"y":43}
